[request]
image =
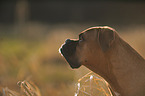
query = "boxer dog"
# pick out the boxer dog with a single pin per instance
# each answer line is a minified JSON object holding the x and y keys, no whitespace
{"x":104,"y":52}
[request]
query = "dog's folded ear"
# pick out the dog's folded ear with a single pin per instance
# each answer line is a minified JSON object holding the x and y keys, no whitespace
{"x":106,"y":37}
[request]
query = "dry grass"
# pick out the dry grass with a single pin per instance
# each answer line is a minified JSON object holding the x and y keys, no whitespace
{"x":35,"y":54}
{"x":26,"y":89}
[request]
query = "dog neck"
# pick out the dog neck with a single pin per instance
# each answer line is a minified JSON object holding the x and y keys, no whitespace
{"x":127,"y":70}
{"x":102,"y":67}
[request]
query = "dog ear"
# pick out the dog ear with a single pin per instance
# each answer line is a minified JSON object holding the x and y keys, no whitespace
{"x":106,"y":38}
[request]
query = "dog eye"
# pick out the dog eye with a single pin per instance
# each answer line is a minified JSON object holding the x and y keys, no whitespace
{"x":81,"y":38}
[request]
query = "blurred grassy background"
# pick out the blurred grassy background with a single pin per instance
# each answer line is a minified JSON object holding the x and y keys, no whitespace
{"x":29,"y":46}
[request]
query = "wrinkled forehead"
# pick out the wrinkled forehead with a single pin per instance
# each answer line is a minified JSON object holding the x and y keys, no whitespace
{"x":94,"y":31}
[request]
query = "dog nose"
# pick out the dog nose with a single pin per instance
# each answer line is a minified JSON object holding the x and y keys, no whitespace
{"x":68,"y":41}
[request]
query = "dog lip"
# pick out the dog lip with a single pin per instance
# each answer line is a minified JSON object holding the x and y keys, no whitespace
{"x":73,"y":65}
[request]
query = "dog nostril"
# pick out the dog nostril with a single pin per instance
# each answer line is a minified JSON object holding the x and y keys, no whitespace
{"x":67,"y":41}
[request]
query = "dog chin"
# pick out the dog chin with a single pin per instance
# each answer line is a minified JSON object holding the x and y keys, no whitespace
{"x":74,"y":66}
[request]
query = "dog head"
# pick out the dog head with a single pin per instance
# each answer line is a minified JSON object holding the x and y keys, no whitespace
{"x":90,"y":47}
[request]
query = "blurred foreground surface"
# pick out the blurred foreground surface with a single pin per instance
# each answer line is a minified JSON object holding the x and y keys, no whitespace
{"x":31,"y":53}
{"x":92,"y":85}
